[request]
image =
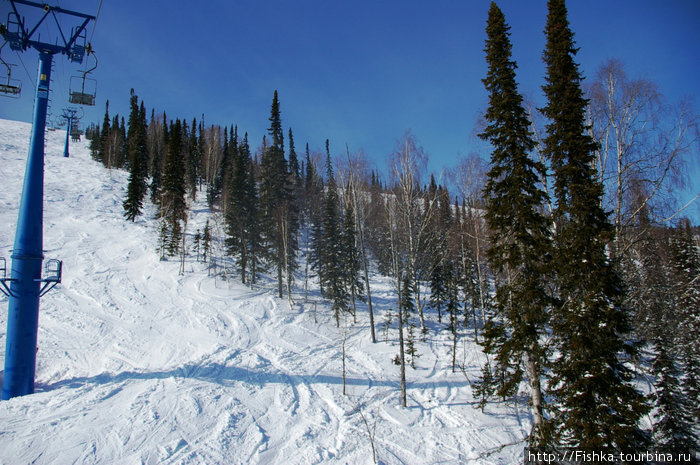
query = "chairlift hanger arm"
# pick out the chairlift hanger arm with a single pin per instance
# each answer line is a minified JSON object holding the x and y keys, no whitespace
{"x":90,"y":51}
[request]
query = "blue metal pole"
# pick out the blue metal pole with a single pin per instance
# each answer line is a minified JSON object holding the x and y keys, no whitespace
{"x":27,"y":255}
{"x":68,"y":128}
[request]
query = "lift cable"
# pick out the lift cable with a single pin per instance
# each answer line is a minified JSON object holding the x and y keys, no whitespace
{"x":94,"y":24}
{"x":31,"y":79}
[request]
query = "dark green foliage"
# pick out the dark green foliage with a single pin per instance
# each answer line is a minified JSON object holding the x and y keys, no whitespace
{"x":206,"y":241}
{"x":242,"y":220}
{"x":194,"y":161}
{"x":157,"y":135}
{"x":173,"y":207}
{"x":104,"y":137}
{"x":216,"y":187}
{"x":673,"y":428}
{"x":93,"y":133}
{"x":197,"y":243}
{"x":520,"y":245}
{"x":408,"y":308}
{"x":440,"y":266}
{"x":685,"y":276}
{"x":330,"y":264}
{"x":276,"y":200}
{"x":137,"y":155}
{"x":313,"y":205}
{"x":351,"y":254}
{"x":597,"y":405}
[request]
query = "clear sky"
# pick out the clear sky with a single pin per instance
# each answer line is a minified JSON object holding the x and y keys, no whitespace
{"x":356,"y":72}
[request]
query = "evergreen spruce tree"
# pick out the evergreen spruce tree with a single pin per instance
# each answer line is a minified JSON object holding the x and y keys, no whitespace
{"x":408,"y":309}
{"x":519,"y":242}
{"x":685,"y":264}
{"x":103,"y":153}
{"x":439,"y":257}
{"x":331,"y":272}
{"x":157,"y":135}
{"x":452,"y":307}
{"x":254,"y":247}
{"x":206,"y":241}
{"x":294,"y":171}
{"x":193,"y":161}
{"x":119,"y":137}
{"x":173,"y":207}
{"x":94,"y":136}
{"x":673,"y":428}
{"x":597,"y":406}
{"x":313,"y":207}
{"x":243,"y":239}
{"x":351,"y":256}
{"x":293,"y":211}
{"x":215,"y":188}
{"x":235,"y":201}
{"x":197,"y":242}
{"x":138,"y":160}
{"x":275,"y":197}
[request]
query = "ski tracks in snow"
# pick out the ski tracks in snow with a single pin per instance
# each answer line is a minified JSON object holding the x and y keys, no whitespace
{"x":137,"y":364}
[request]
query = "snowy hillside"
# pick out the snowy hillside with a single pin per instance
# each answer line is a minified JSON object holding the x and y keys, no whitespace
{"x":137,"y":364}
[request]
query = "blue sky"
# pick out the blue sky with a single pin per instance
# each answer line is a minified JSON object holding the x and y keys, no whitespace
{"x":360,"y":72}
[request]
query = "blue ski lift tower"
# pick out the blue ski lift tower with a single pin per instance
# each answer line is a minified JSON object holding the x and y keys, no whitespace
{"x":71,"y":117}
{"x":26,"y":283}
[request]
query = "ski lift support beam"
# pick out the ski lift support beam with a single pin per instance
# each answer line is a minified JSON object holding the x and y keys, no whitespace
{"x":27,"y":254}
{"x":20,"y":37}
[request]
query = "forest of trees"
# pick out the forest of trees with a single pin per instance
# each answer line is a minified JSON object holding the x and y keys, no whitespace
{"x":563,"y":256}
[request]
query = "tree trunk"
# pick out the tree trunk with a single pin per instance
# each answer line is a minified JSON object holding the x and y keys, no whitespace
{"x":533,"y":371}
{"x":402,"y":356}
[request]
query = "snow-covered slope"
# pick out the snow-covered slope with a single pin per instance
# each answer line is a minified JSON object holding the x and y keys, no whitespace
{"x":137,"y":364}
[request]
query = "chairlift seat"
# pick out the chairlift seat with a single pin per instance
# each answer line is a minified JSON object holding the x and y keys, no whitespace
{"x":10,"y":89}
{"x":81,"y":98}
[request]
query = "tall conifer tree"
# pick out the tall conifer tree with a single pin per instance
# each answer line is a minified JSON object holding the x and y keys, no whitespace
{"x":103,"y":153}
{"x":173,"y":207}
{"x":519,"y":241}
{"x":276,"y":198}
{"x":331,"y":271}
{"x":597,"y":406}
{"x":137,"y":156}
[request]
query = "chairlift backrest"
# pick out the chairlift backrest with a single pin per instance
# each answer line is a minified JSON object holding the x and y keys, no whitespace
{"x":82,"y":90}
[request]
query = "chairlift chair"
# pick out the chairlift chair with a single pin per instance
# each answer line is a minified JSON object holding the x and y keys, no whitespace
{"x":82,"y":88}
{"x":53,"y":269}
{"x":4,"y":288}
{"x":75,"y":132}
{"x":10,"y":87}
